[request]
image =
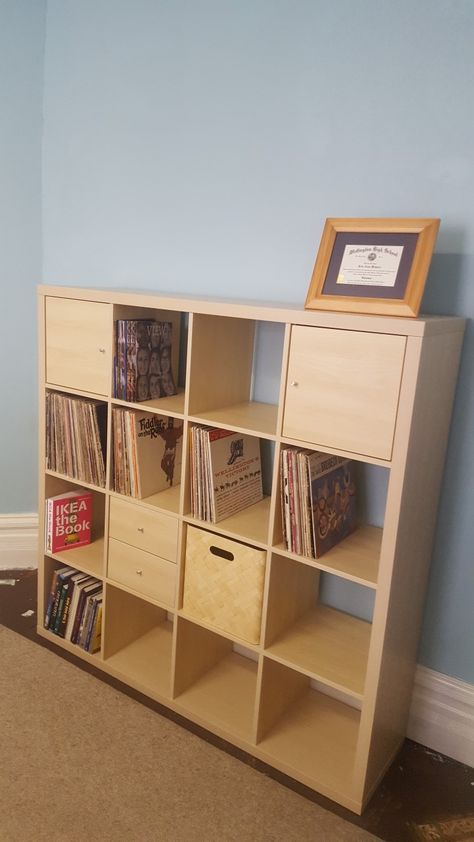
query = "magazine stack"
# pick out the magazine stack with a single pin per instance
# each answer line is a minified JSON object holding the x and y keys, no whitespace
{"x":143,"y":351}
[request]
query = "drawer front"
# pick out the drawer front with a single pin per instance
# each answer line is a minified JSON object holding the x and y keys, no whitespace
{"x":143,"y":572}
{"x":79,"y":345}
{"x":151,"y":531}
{"x":342,"y":389}
{"x":223,"y":583}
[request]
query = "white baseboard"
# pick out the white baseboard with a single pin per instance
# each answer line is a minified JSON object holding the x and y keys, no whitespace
{"x":442,"y":715}
{"x":18,"y":542}
{"x":442,"y":708}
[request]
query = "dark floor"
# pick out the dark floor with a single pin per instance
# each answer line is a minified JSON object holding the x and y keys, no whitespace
{"x":424,"y":796}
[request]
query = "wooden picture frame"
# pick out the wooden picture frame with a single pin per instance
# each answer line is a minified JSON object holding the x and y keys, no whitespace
{"x":372,"y":265}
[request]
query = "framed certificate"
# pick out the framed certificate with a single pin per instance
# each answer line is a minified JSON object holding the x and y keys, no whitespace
{"x":372,"y":265}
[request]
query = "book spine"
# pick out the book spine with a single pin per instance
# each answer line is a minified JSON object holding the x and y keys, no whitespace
{"x":90,"y":624}
{"x":49,"y":526}
{"x":61,"y":604}
{"x":96,"y":600}
{"x":72,"y":611}
{"x":282,"y":503}
{"x":97,"y":631}
{"x":85,"y":621}
{"x":56,"y":545}
{"x":286,"y":501}
{"x":51,"y":598}
{"x":78,"y":618}
{"x":54,"y":609}
{"x":291,"y":499}
{"x":63,"y":611}
{"x":296,"y":502}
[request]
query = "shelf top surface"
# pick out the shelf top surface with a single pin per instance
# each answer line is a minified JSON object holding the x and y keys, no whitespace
{"x":260,"y":310}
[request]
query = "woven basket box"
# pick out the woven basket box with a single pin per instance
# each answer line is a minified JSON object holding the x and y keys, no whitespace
{"x":223,"y":584}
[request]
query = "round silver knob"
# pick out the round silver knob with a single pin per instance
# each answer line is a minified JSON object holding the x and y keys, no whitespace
{"x":139,"y":572}
{"x":101,"y":350}
{"x":294,"y":383}
{"x":140,"y":529}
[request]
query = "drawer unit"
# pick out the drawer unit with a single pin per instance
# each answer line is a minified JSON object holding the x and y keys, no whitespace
{"x":143,"y":572}
{"x":78,"y":345}
{"x":343,"y":388}
{"x":143,"y":528}
{"x":223,"y":584}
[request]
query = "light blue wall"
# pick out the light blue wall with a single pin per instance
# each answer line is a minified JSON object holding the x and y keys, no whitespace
{"x":199,"y":146}
{"x":22,"y":26}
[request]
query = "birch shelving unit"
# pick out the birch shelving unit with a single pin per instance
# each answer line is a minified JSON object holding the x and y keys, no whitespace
{"x":323,"y":695}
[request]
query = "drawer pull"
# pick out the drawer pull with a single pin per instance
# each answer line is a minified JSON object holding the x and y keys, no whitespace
{"x":139,"y":572}
{"x":140,"y":529}
{"x":102,"y":350}
{"x":294,"y":383}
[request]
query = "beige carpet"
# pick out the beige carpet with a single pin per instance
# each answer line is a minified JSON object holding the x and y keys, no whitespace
{"x":81,"y":762}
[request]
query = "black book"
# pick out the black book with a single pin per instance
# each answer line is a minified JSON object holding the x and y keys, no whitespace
{"x":90,"y":589}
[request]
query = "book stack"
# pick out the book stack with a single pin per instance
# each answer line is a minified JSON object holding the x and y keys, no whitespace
{"x":68,"y":519}
{"x":318,"y":500}
{"x":147,"y":452}
{"x":74,"y":608}
{"x":226,"y":473}
{"x":143,"y":350}
{"x":76,"y":437}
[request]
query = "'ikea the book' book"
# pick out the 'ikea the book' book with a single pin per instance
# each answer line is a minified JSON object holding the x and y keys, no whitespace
{"x":68,"y":520}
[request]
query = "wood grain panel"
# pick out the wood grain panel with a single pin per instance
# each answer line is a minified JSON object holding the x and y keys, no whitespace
{"x":343,"y":388}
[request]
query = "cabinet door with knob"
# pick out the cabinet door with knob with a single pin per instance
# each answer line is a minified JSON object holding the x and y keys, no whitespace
{"x":343,"y":388}
{"x":79,"y":345}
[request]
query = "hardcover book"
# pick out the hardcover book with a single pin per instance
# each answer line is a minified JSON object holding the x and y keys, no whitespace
{"x":85,"y":591}
{"x":62,"y":588}
{"x":77,"y":582}
{"x":68,"y":520}
{"x":54,"y":592}
{"x":96,"y":634}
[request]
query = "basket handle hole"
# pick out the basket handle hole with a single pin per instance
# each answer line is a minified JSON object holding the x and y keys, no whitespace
{"x":222,"y":553}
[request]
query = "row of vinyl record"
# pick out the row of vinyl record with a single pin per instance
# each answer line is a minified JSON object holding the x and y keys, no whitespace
{"x":318,"y":500}
{"x":317,"y":489}
{"x":76,"y":437}
{"x":226,"y":473}
{"x":147,"y":448}
{"x":147,"y":452}
{"x":74,"y":608}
